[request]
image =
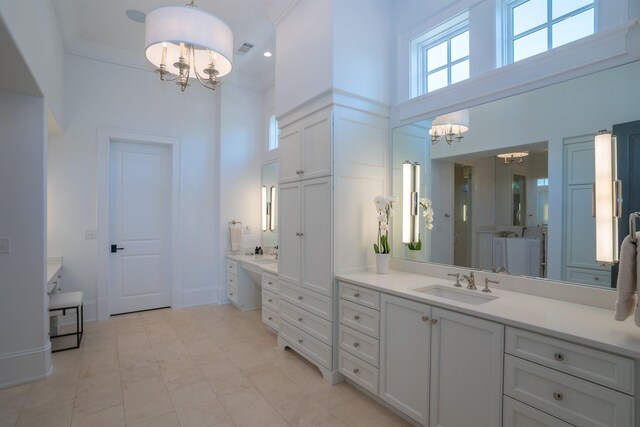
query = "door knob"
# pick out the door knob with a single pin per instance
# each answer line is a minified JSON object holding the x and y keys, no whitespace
{"x":115,"y":248}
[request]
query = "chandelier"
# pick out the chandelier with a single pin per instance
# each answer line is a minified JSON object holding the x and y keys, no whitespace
{"x":516,"y":157}
{"x":449,"y":127}
{"x":183,"y":42}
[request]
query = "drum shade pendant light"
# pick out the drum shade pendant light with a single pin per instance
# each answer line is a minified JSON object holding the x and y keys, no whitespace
{"x":183,"y":42}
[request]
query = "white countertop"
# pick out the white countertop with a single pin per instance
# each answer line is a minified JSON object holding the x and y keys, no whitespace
{"x":582,"y":324}
{"x":266,"y":263}
{"x":54,"y":264}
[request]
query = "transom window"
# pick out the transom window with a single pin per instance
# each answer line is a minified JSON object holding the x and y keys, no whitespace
{"x":442,"y":55}
{"x":274,"y":132}
{"x":535,"y":26}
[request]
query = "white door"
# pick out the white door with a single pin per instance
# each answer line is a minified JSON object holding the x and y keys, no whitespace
{"x":317,"y":272}
{"x":139,"y":227}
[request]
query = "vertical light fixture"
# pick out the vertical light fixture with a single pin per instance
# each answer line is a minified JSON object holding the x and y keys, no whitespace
{"x":264,"y":208}
{"x":272,"y":209}
{"x":607,"y":198}
{"x":410,"y":200}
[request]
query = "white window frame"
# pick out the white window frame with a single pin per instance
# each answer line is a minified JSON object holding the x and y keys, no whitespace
{"x":420,"y":44}
{"x":509,"y":38}
{"x":273,"y":134}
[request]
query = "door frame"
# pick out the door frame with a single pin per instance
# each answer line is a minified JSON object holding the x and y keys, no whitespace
{"x":106,"y":136}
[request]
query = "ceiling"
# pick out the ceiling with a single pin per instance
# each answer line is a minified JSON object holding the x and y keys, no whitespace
{"x":100,"y":29}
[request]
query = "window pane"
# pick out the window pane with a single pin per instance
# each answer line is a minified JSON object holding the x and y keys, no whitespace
{"x":530,"y":45}
{"x":529,"y":15}
{"x":437,"y":80}
{"x":460,"y":46}
{"x":573,"y":28}
{"x":437,"y":56}
{"x":562,"y":7}
{"x":460,"y":72}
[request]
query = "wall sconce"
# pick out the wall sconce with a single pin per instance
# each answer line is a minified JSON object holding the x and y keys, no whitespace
{"x":268,"y":211}
{"x":607,"y":198}
{"x":410,"y":200}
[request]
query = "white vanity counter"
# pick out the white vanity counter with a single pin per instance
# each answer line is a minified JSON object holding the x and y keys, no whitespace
{"x":583,"y":324}
{"x":266,"y":263}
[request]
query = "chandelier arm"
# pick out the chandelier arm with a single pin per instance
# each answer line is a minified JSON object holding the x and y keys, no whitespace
{"x":203,"y":82}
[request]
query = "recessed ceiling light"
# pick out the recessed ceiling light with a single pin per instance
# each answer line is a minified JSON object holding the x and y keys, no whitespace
{"x":267,"y":54}
{"x":136,"y":15}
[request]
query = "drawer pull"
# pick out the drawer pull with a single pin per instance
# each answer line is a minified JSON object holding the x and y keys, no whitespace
{"x":559,"y":357}
{"x":271,"y":283}
{"x":300,"y":319}
{"x":558,"y":396}
{"x":270,"y":318}
{"x":299,"y":340}
{"x":356,"y":370}
{"x":300,"y":298}
{"x":356,"y":317}
{"x":434,"y":321}
{"x":357,"y":295}
{"x":356,"y":344}
{"x":230,"y":293}
{"x":231,"y":280}
{"x":270,"y":300}
{"x":425,"y":318}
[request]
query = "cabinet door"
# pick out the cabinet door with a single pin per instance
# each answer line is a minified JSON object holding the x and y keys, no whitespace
{"x":289,"y":154}
{"x":316,"y":146}
{"x":317,"y":274}
{"x":466,"y":371}
{"x":289,"y":241}
{"x":404,"y":356}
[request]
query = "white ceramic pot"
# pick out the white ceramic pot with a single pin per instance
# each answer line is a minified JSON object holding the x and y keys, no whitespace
{"x":382,"y":263}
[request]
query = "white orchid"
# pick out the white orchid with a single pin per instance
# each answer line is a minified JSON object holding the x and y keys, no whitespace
{"x":384,"y":208}
{"x":427,"y":212}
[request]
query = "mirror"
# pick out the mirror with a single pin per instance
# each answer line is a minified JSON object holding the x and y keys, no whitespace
{"x":269,"y":204}
{"x":525,"y":214}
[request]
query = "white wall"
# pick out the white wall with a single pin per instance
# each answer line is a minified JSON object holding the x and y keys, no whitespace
{"x":242,"y":139}
{"x":34,"y":27}
{"x":24,"y":343}
{"x":99,"y":94}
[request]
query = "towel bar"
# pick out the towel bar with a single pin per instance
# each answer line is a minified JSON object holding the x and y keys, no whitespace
{"x":632,"y":225}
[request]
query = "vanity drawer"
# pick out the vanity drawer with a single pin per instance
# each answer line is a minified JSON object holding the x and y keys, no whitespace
{"x":231,"y":266}
{"x":310,"y":323}
{"x":589,"y":277}
{"x":232,"y":280}
{"x":573,"y":400}
{"x":359,"y":344}
{"x":517,"y":414}
{"x":317,"y":304}
{"x":270,"y":300}
{"x":360,"y":295}
{"x":360,"y":318}
{"x":593,"y":365}
{"x":232,"y":294}
{"x":271,"y":318}
{"x":361,"y":373}
{"x":302,"y":341}
{"x":270,"y":282}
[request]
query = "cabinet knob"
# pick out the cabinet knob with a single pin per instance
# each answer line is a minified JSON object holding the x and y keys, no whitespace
{"x":270,"y":300}
{"x":596,"y":278}
{"x":559,"y":357}
{"x":299,"y":340}
{"x":356,"y":344}
{"x":301,"y":234}
{"x":356,"y":317}
{"x":301,"y":171}
{"x":300,"y":319}
{"x":356,"y":370}
{"x":434,"y":321}
{"x":425,"y":318}
{"x":300,"y":298}
{"x":271,"y":283}
{"x":558,"y":396}
{"x":357,"y":295}
{"x":270,"y":318}
{"x":230,"y":293}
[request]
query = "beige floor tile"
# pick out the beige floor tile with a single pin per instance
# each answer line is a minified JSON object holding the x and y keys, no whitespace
{"x":365,"y":412}
{"x":302,"y":411}
{"x":98,"y":392}
{"x":244,"y":355}
{"x":248,"y":408}
{"x":272,"y":383}
{"x":12,"y":401}
{"x":336,"y":395}
{"x":166,"y":420}
{"x":55,"y":414}
{"x":224,"y":377}
{"x":51,"y":390}
{"x":180,"y":374}
{"x":146,"y":399}
{"x":98,"y":362}
{"x":108,"y":417}
{"x":196,"y":406}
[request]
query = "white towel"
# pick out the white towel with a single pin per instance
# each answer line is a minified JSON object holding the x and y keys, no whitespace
{"x":627,"y":281}
{"x":235,"y":236}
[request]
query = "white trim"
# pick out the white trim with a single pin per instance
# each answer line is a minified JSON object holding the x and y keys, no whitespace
{"x":105,"y":136}
{"x":18,"y":367}
{"x":199,"y":296}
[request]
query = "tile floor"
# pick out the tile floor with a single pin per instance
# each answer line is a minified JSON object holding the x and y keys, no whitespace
{"x":205,"y":366}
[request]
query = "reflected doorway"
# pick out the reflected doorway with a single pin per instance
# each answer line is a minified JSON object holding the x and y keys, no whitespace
{"x":462,"y":231}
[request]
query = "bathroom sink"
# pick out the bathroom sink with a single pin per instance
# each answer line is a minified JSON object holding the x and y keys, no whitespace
{"x":456,"y":294}
{"x":265,"y":261}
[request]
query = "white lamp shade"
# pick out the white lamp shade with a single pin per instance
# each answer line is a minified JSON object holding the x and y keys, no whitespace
{"x":606,"y":222}
{"x":172,"y":25}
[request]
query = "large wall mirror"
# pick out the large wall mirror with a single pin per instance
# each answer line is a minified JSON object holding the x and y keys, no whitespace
{"x":514,"y":195}
{"x":269,"y":205}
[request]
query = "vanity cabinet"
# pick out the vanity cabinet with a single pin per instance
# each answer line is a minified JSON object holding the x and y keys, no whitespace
{"x":241,"y":290}
{"x":271,"y":301}
{"x":305,"y":149}
{"x":576,"y":384}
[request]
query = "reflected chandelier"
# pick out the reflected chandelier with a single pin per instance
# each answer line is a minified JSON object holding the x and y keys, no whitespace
{"x":180,"y":39}
{"x":449,"y":127}
{"x":516,"y":157}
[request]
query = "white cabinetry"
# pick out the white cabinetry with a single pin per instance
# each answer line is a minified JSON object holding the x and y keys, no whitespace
{"x":271,"y":301}
{"x":240,"y":289}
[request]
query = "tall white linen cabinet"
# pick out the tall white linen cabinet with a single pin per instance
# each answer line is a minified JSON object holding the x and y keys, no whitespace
{"x":333,"y":162}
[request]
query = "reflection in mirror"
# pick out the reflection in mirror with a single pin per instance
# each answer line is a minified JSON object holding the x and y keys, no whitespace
{"x":530,"y":213}
{"x":269,"y":204}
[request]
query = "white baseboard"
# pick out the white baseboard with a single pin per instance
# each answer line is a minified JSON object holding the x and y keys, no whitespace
{"x":25,"y":366}
{"x":199,"y":296}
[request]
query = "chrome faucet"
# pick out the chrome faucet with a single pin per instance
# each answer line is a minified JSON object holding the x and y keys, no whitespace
{"x":486,"y":285}
{"x":471,"y":280}
{"x":457,"y":276}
